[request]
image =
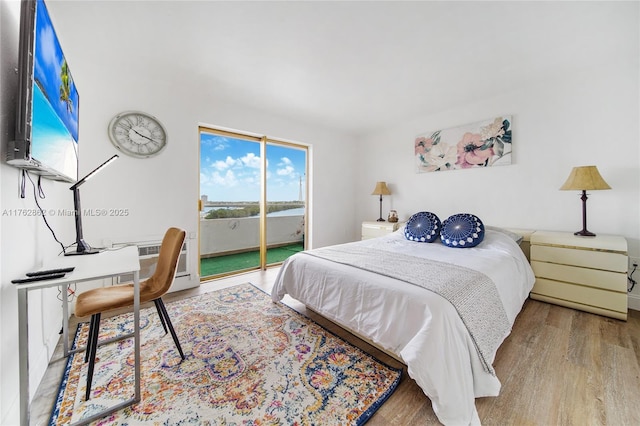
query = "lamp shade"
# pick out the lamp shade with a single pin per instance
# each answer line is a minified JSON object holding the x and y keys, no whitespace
{"x":585,"y":178}
{"x":381,"y":189}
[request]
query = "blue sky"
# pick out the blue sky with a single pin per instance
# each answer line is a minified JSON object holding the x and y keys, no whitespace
{"x":48,"y":63}
{"x":230,"y":170}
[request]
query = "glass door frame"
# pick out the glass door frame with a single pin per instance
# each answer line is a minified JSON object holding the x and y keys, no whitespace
{"x":264,"y":141}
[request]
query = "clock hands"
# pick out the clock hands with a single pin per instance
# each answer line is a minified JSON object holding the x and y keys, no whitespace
{"x":131,"y":128}
{"x":144,"y":136}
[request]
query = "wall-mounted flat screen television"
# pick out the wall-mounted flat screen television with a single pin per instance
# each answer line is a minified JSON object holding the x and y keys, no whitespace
{"x":46,"y":135}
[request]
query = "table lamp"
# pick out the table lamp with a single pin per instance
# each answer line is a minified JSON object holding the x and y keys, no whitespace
{"x":381,"y":189}
{"x":585,"y":178}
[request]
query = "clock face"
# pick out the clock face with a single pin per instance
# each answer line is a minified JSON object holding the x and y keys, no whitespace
{"x":137,"y":134}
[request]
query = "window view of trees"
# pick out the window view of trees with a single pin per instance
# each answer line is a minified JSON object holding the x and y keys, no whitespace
{"x":251,"y":209}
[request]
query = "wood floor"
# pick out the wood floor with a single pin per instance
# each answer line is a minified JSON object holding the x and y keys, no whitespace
{"x":558,"y":367}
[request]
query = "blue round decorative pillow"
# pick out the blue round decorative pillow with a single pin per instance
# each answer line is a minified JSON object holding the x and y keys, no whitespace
{"x":423,"y":227}
{"x":462,"y":230}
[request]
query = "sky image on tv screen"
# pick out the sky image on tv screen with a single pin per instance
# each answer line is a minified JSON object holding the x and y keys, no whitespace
{"x":55,"y":101}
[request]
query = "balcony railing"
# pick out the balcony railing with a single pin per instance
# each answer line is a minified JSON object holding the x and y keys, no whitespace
{"x":236,"y":241}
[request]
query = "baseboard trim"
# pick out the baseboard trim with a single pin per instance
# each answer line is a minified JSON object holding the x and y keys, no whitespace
{"x":634,"y":302}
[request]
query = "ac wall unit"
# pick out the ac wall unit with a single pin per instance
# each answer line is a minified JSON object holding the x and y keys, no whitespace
{"x":148,"y":255}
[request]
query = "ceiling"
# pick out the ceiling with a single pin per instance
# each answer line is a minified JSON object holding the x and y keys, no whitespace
{"x":353,"y":66}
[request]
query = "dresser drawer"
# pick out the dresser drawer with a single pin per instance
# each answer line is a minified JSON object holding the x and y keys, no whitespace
{"x":584,"y":258}
{"x":589,"y":296}
{"x":586,"y":273}
{"x":613,"y":281}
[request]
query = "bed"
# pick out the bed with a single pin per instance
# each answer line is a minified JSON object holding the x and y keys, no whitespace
{"x":445,"y":351}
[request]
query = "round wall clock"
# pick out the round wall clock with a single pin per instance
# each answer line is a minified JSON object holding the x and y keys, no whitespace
{"x":137,"y":134}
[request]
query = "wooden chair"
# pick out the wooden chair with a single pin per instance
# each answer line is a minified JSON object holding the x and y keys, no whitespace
{"x":96,"y":301}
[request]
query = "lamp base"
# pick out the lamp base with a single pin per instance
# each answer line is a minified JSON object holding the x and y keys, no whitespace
{"x":76,"y":253}
{"x":381,"y":219}
{"x":82,"y":248}
{"x":584,"y":232}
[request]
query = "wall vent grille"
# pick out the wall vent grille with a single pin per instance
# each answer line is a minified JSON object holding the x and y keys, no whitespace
{"x":149,"y":253}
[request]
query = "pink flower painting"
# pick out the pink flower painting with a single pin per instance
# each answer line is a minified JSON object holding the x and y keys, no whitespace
{"x":470,"y":152}
{"x":482,"y":144}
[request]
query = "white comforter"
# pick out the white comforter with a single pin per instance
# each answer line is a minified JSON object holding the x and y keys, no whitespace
{"x":414,"y":323}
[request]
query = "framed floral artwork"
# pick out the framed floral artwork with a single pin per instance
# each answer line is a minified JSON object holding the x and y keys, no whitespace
{"x":483,"y":144}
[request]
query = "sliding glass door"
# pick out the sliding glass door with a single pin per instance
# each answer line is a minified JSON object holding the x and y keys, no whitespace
{"x":252,"y":201}
{"x":285,"y":200}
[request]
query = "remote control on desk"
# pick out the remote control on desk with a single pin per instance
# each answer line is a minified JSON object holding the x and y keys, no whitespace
{"x":38,"y":278}
{"x":50,"y":271}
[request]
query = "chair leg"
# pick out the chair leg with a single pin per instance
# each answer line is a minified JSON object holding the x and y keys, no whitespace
{"x":92,"y":326}
{"x":168,"y":320}
{"x":92,"y":356}
{"x":159,"y":309}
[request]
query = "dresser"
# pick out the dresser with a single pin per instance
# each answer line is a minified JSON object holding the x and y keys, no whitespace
{"x":585,"y":273}
{"x":377,"y":229}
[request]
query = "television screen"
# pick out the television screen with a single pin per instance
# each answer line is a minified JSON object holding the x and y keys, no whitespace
{"x":47,"y":120}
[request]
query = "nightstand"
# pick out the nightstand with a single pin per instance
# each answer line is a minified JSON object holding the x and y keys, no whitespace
{"x":378,"y":229}
{"x":585,"y":273}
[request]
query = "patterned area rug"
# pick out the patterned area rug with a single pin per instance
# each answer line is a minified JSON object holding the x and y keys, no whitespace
{"x":249,"y":361}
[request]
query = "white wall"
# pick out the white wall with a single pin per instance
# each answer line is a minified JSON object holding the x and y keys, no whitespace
{"x":575,"y":119}
{"x":163,"y":191}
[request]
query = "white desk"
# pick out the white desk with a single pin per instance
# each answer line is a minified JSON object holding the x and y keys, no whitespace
{"x":87,"y":268}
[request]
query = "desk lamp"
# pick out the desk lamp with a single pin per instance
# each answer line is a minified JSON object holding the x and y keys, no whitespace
{"x":585,"y":178}
{"x":82,"y":246}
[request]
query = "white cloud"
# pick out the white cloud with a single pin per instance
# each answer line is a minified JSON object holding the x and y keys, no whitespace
{"x":286,"y":171}
{"x":47,"y":39}
{"x":285,"y":167}
{"x":228,"y":179}
{"x":204,"y":179}
{"x":251,"y":160}
{"x":223,"y":165}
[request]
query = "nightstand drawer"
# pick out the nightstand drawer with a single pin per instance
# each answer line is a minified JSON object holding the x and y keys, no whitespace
{"x":588,"y":296}
{"x":378,"y":229}
{"x":613,"y":281}
{"x":584,"y":258}
{"x":373,"y":232}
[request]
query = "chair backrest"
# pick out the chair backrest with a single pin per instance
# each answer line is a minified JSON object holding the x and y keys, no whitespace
{"x":159,"y":283}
